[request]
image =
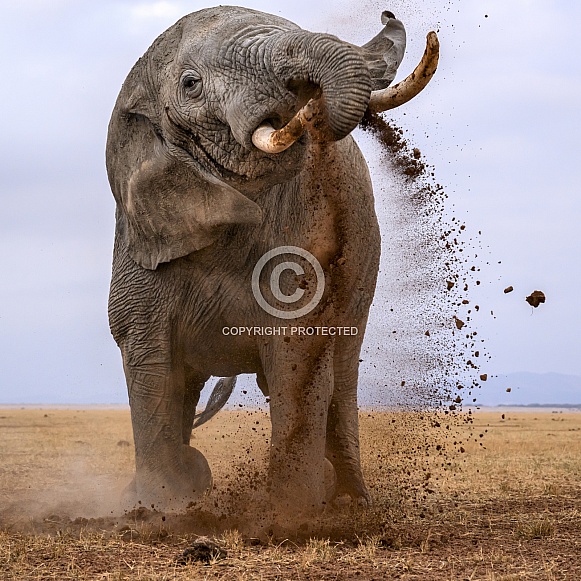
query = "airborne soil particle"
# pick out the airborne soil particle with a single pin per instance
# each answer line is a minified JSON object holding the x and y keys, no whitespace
{"x":536,"y":298}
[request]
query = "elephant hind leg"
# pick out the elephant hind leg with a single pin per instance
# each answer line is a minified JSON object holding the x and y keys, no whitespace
{"x":262,"y":383}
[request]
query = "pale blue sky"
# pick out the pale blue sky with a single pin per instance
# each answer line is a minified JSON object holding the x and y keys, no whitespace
{"x":500,"y":122}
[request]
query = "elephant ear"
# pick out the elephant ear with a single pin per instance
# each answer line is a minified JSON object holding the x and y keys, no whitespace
{"x":385,"y":51}
{"x":170,"y":206}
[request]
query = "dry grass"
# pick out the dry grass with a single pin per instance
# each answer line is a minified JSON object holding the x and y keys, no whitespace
{"x":508,"y":507}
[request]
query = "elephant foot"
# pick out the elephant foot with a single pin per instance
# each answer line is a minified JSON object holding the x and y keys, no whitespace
{"x":350,"y":489}
{"x":173,"y":490}
{"x":195,"y":464}
{"x":345,"y":501}
{"x":128,"y":498}
{"x":352,"y":496}
{"x":297,"y":502}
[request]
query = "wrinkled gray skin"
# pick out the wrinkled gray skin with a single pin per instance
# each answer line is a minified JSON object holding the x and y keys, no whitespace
{"x":198,"y":205}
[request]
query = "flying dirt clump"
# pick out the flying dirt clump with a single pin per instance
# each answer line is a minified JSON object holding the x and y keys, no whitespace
{"x":536,"y":298}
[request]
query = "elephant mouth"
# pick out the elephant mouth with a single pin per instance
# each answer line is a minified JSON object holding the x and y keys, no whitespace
{"x":239,"y":163}
{"x":276,"y":137}
{"x":247,"y":165}
{"x":211,"y":163}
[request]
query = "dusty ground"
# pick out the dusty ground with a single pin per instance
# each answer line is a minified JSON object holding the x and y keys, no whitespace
{"x":508,"y":507}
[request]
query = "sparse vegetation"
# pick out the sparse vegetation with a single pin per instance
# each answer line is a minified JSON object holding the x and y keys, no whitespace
{"x":506,"y":508}
{"x":538,"y":528}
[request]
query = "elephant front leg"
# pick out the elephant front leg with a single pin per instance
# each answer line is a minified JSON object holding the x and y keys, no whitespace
{"x":343,"y":422}
{"x":300,"y":381}
{"x":169,"y":473}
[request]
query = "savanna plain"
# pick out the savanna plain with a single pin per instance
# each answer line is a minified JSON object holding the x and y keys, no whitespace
{"x":480,"y":495}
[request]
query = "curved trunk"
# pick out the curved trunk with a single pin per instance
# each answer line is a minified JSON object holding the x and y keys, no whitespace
{"x":312,"y":64}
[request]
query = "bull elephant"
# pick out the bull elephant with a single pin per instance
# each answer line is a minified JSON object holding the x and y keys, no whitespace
{"x":229,"y":142}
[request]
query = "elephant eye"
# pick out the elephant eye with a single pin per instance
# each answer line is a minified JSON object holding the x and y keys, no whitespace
{"x":192,"y":83}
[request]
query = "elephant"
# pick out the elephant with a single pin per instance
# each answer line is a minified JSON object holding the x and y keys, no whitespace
{"x":229,"y":146}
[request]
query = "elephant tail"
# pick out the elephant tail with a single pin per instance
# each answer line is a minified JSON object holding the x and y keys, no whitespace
{"x":218,"y":398}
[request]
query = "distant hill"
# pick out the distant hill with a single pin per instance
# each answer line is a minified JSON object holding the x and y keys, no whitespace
{"x":531,"y":388}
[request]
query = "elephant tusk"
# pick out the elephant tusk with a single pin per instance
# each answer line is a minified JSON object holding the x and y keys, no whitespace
{"x":270,"y":140}
{"x":407,"y":89}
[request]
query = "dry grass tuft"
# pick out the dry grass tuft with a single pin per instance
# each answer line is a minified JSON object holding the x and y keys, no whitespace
{"x":536,"y":529}
{"x":551,"y":489}
{"x":232,"y":540}
{"x":318,"y":551}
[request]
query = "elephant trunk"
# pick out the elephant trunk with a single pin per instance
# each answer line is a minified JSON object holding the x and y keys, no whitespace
{"x":322,"y":67}
{"x":343,"y":78}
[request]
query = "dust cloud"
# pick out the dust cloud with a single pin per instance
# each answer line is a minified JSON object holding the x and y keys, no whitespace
{"x":80,"y":495}
{"x":425,"y":350}
{"x":423,"y":300}
{"x":62,"y":465}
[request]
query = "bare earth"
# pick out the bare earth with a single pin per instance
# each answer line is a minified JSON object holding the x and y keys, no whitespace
{"x":504,"y":506}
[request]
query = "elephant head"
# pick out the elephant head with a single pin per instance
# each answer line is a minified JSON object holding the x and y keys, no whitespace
{"x":184,"y":157}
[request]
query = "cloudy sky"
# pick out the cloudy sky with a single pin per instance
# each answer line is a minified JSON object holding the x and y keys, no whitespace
{"x":500,"y":123}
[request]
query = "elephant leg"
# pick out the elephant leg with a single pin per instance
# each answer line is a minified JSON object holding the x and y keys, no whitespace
{"x":343,"y":422}
{"x":193,"y":384}
{"x":262,"y":383}
{"x":299,"y":375}
{"x":169,"y":473}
